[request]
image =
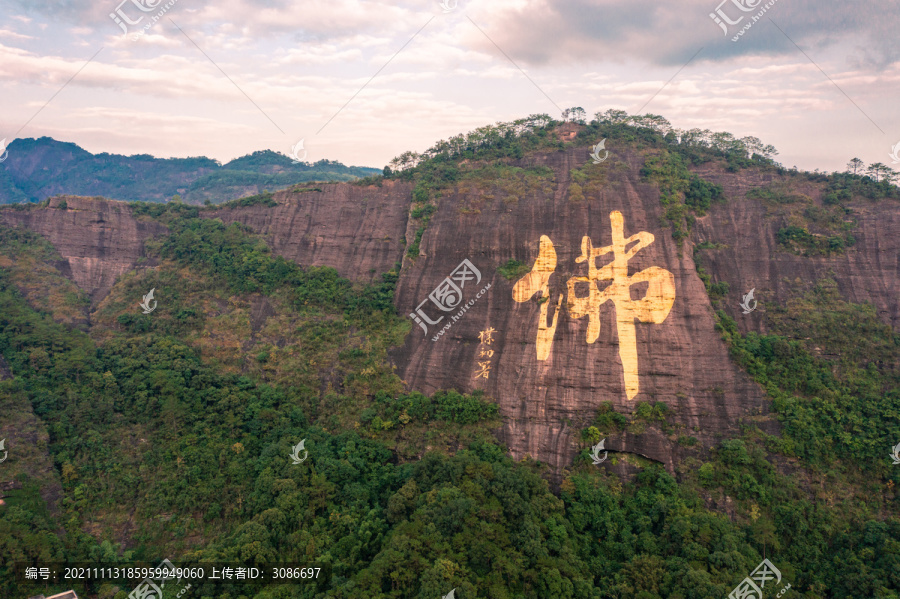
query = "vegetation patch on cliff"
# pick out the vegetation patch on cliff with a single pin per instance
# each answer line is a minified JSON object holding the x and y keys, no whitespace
{"x":684,"y":196}
{"x":587,"y":181}
{"x":808,"y":228}
{"x":265,"y":198}
{"x":32,"y":263}
{"x":509,"y":183}
{"x":513,"y":269}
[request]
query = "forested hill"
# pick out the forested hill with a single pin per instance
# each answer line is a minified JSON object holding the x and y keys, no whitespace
{"x":274,"y":401}
{"x":36,"y":169}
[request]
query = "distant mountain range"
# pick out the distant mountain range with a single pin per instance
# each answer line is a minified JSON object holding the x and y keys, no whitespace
{"x":36,"y":169}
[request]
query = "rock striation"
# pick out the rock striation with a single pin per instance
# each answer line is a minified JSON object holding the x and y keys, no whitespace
{"x":99,"y":239}
{"x":357,"y":230}
{"x":868,"y":272}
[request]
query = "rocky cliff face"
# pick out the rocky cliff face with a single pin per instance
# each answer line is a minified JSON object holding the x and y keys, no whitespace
{"x":647,"y":334}
{"x":99,"y":239}
{"x":599,"y":304}
{"x":357,"y":230}
{"x":869,"y":272}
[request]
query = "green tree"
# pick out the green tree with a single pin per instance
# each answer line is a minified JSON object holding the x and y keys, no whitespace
{"x":855,"y":165}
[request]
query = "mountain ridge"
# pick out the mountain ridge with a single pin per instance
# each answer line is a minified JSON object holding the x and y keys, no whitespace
{"x":36,"y":169}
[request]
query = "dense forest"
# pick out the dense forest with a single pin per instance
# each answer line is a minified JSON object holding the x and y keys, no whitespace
{"x":170,"y":433}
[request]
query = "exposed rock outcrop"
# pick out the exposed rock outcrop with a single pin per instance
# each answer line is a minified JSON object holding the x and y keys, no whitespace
{"x":681,"y":361}
{"x":357,"y":230}
{"x":99,"y":239}
{"x":868,"y":272}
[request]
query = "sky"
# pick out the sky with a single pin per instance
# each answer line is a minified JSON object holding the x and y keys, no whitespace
{"x":362,"y":81}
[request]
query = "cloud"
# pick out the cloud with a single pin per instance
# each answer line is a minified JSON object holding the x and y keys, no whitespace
{"x":532,"y":32}
{"x":544,"y":32}
{"x":14,"y":35}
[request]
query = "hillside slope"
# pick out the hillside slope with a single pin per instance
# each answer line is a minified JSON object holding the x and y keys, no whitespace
{"x":316,"y":313}
{"x":498,"y":217}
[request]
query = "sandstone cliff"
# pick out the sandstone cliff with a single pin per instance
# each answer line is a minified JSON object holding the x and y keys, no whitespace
{"x":868,"y":273}
{"x":551,"y":346}
{"x":357,"y":230}
{"x":680,"y":361}
{"x":99,"y":239}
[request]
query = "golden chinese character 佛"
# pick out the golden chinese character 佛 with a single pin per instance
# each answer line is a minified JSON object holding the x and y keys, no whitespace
{"x":653,"y":308}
